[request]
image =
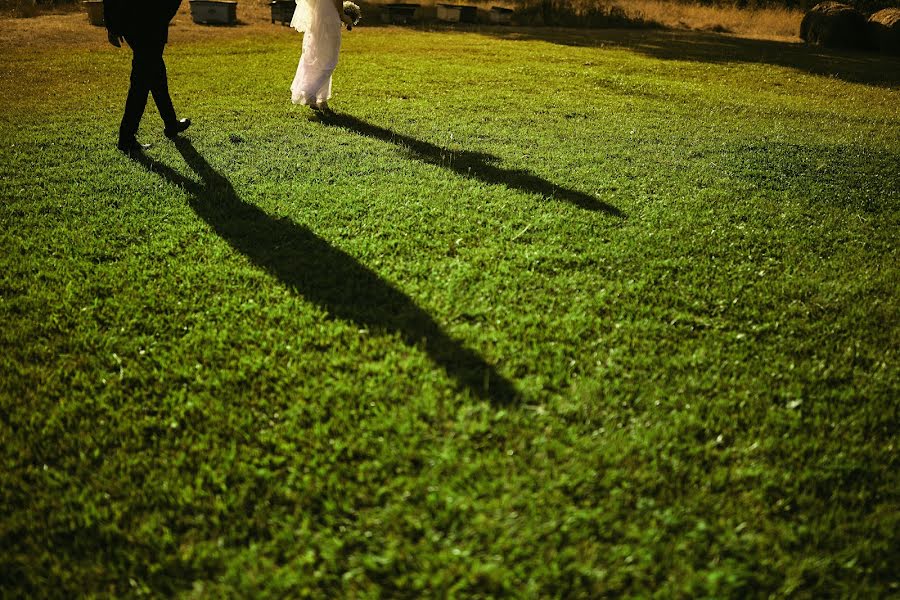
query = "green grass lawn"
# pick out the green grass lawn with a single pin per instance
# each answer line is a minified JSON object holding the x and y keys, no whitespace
{"x":598,"y":314}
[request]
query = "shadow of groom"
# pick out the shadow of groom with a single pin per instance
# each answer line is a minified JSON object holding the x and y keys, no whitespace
{"x":325,"y":275}
{"x":474,"y":165}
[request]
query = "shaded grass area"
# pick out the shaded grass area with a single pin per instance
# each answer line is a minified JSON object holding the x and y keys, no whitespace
{"x":523,"y":318}
{"x":848,"y":65}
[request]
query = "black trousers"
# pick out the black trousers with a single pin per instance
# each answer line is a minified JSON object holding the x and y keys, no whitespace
{"x":148,"y":76}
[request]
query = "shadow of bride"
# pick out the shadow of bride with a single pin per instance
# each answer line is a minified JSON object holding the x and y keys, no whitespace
{"x":474,"y":165}
{"x":326,"y":276}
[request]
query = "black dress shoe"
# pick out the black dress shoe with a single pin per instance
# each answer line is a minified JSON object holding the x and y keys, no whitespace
{"x":177,"y":127}
{"x":132,"y":146}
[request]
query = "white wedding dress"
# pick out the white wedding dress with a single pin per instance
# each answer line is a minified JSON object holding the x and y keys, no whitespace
{"x":320,"y":24}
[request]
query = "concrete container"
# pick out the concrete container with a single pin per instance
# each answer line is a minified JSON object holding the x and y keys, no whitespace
{"x":214,"y":12}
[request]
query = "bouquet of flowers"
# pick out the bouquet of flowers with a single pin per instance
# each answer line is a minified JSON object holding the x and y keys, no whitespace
{"x":352,"y":11}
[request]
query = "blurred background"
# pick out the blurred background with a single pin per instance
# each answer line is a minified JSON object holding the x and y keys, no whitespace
{"x":756,"y":18}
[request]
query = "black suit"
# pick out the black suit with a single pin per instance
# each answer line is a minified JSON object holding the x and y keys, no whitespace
{"x":145,"y":26}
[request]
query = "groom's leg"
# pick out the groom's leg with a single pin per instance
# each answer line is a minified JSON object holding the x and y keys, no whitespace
{"x":137,"y":94}
{"x":159,"y":87}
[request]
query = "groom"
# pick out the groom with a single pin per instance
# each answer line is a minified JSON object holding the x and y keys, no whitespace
{"x":144,"y":25}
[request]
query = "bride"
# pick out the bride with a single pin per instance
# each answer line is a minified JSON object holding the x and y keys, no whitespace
{"x":320,"y":23}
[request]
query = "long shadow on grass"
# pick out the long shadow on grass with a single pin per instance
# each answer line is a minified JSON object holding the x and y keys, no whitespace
{"x":856,"y":66}
{"x":325,"y":275}
{"x":475,"y":165}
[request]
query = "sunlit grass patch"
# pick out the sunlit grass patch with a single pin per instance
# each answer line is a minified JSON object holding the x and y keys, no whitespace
{"x":535,"y":314}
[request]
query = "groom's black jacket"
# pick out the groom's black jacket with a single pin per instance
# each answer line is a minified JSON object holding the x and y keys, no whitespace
{"x":140,"y":21}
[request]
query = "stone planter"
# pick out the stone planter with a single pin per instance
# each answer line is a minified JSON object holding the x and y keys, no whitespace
{"x":400,"y":14}
{"x":500,"y":15}
{"x":448,"y":13}
{"x":456,"y":13}
{"x":282,"y":11}
{"x":214,"y":12}
{"x":94,"y":10}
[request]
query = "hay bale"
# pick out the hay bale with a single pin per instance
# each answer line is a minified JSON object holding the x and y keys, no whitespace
{"x":833,"y":24}
{"x":884,"y":30}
